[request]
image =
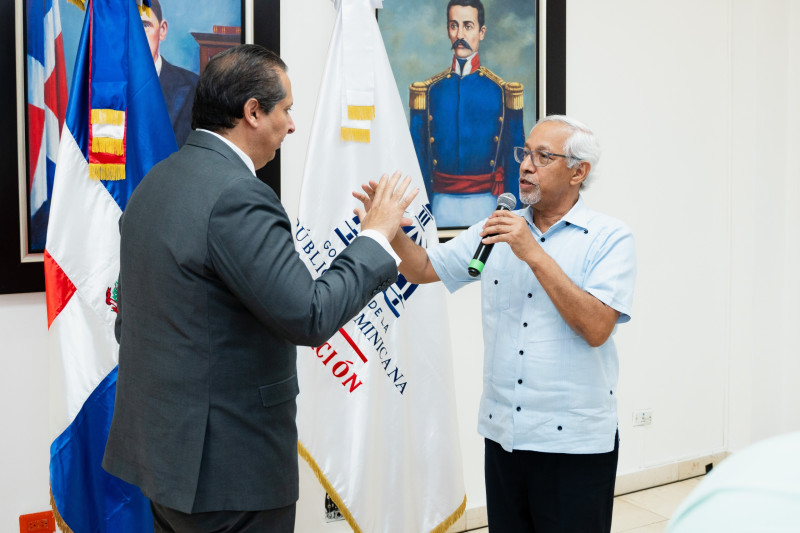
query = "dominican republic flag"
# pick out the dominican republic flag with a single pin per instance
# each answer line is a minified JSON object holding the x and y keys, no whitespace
{"x":47,"y":106}
{"x":376,"y":412}
{"x":117,"y":128}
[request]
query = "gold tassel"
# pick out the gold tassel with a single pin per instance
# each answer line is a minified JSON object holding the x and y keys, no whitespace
{"x":107,"y":172}
{"x":59,"y":520}
{"x":355,"y":134}
{"x":108,"y":116}
{"x":107,"y":145}
{"x":452,"y":519}
{"x":143,"y":9}
{"x":80,"y":3}
{"x":361,"y":112}
{"x":303,"y":452}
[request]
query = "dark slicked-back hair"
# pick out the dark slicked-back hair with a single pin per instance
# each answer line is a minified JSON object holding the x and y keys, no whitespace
{"x":230,"y":79}
{"x":155,"y":5}
{"x":477,"y":4}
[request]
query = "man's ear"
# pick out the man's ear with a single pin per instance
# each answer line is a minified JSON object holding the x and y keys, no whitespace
{"x":580,"y":173}
{"x":162,"y":30}
{"x":251,"y":109}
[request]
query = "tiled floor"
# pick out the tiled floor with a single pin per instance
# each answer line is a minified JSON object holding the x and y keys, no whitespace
{"x":646,"y":511}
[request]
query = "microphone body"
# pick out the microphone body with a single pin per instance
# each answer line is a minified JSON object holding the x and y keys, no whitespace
{"x":505,"y":202}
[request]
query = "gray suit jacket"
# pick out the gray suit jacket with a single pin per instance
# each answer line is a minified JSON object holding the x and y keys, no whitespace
{"x":213,"y":301}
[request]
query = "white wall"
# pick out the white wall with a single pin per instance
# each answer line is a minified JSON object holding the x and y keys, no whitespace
{"x":696,"y":106}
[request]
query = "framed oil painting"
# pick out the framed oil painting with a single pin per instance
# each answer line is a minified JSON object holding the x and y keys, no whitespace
{"x":39,"y":43}
{"x":477,"y":75}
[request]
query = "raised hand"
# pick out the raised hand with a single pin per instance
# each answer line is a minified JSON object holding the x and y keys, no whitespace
{"x":385,"y":202}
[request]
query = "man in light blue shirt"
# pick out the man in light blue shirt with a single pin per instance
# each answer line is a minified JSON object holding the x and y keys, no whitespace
{"x":558,"y":281}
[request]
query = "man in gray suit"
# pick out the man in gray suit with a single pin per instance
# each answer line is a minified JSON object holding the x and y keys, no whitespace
{"x":213,"y":300}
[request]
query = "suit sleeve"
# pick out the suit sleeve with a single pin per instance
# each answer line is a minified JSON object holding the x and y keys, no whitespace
{"x":251,"y":249}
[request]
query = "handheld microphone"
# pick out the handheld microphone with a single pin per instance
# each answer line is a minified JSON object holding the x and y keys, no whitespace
{"x":505,"y":202}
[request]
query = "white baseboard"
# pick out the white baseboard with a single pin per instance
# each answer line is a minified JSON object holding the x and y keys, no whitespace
{"x":661,"y":475}
{"x":626,"y":483}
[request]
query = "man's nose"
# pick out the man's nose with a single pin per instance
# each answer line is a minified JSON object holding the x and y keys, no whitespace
{"x":527,"y":165}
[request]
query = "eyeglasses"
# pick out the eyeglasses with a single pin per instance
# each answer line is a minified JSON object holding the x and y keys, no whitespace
{"x":539,"y":158}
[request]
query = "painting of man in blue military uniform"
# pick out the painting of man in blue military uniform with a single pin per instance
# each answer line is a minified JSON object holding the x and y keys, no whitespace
{"x":465,"y":123}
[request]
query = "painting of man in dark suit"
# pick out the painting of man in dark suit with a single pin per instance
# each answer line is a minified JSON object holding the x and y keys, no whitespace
{"x":177,"y":83}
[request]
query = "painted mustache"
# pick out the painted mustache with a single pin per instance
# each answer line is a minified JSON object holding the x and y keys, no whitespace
{"x":461,"y":42}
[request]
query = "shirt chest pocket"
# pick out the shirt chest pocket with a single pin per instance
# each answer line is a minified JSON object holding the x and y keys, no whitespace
{"x":500,"y":278}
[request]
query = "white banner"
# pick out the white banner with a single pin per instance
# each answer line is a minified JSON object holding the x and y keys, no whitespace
{"x":376,"y":412}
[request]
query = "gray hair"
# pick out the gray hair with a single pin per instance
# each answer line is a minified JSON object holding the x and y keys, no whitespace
{"x":581,"y":145}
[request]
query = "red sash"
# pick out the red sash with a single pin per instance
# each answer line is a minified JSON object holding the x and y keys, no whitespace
{"x":470,"y":184}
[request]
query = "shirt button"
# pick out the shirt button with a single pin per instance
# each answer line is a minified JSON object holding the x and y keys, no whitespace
{"x":521,"y":352}
{"x":542,"y":239}
{"x":495,"y":282}
{"x":490,"y":417}
{"x":585,"y":231}
{"x":524,"y":324}
{"x":530,"y":295}
{"x":519,"y":408}
{"x":519,"y":381}
{"x":568,"y":223}
{"x":560,"y":428}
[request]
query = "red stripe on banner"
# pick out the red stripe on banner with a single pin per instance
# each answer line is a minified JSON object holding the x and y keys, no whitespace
{"x":60,"y":75}
{"x":59,"y":288}
{"x":352,"y":344}
{"x":36,"y":133}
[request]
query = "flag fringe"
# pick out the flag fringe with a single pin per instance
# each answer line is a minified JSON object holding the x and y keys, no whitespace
{"x":108,"y":172}
{"x":80,"y":3}
{"x":361,"y":112}
{"x":143,"y":10}
{"x":108,"y":116}
{"x":355,"y":135}
{"x":452,"y":519}
{"x":108,"y":145}
{"x":56,"y":515}
{"x":304,"y":453}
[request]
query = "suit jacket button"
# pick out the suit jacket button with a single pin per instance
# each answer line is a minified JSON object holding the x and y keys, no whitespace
{"x":432,"y":140}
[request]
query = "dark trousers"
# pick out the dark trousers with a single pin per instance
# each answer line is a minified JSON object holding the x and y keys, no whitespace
{"x":167,"y":520}
{"x":535,"y":492}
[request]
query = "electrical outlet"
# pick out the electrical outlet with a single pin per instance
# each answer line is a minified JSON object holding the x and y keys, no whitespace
{"x":643,"y":417}
{"x":37,"y":522}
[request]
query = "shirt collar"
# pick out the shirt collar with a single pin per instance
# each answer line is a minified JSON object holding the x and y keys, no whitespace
{"x":472,"y":64}
{"x":577,"y":216}
{"x":239,"y":152}
{"x":158,"y":65}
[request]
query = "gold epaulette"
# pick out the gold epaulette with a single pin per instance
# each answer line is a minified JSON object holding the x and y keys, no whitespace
{"x":418,"y":91}
{"x":513,"y":91}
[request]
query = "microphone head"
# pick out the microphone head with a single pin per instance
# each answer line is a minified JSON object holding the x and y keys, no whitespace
{"x":506,"y":201}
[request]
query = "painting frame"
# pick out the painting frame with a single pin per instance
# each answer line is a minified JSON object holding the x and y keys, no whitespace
{"x":21,"y":268}
{"x":548,"y":77}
